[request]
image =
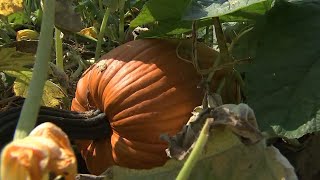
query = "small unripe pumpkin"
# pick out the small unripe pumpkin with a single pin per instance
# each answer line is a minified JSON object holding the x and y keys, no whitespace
{"x":145,"y":91}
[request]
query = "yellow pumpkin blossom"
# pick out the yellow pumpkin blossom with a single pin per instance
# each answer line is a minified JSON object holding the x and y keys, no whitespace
{"x":45,"y":152}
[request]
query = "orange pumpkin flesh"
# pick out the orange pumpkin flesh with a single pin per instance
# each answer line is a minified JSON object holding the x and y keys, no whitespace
{"x":145,"y":91}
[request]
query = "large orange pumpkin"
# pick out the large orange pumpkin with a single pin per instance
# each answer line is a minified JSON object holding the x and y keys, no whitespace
{"x":145,"y":91}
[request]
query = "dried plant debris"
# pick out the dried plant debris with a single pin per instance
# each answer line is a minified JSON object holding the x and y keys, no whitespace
{"x":9,"y":7}
{"x":66,"y":19}
{"x":89,"y":177}
{"x":240,"y":119}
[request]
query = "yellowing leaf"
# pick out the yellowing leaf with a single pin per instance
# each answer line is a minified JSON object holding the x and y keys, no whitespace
{"x":10,"y":59}
{"x":27,"y":34}
{"x":235,"y":149}
{"x":51,"y":92}
{"x":90,"y":31}
{"x":224,"y":157}
{"x":46,"y":151}
{"x":10,"y":6}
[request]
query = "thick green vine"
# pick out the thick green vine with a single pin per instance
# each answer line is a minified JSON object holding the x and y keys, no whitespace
{"x":31,"y":106}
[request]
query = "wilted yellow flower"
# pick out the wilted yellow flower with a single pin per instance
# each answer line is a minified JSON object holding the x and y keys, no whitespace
{"x":27,"y":34}
{"x":90,"y":31}
{"x":46,"y":151}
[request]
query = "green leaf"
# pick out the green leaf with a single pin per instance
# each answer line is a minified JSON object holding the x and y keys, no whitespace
{"x":169,"y":27}
{"x":157,"y":10}
{"x":253,"y":12}
{"x":172,"y":27}
{"x":225,"y":157}
{"x":4,"y":37}
{"x":18,"y":18}
{"x":114,"y":5}
{"x":283,"y":81}
{"x":10,"y":59}
{"x":213,"y":8}
{"x":52,"y":93}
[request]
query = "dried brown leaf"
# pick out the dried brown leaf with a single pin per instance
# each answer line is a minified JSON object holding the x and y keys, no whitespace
{"x":240,"y":119}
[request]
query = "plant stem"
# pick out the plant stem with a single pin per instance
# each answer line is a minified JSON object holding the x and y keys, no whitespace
{"x":195,"y":153}
{"x":238,"y":37}
{"x":100,"y":5}
{"x":31,"y":106}
{"x":221,"y":40}
{"x":194,"y":46}
{"x":121,"y":22}
{"x":207,"y":35}
{"x":59,"y":51}
{"x":27,"y":5}
{"x":87,"y":125}
{"x":101,"y":33}
{"x":80,"y":68}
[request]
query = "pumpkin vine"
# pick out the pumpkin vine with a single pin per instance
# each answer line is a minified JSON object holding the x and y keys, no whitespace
{"x":31,"y":106}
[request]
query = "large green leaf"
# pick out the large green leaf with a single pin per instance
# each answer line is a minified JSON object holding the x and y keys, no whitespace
{"x":213,"y":8}
{"x":18,"y":18}
{"x":229,"y":146}
{"x":225,"y":157}
{"x":52,"y":92}
{"x":284,"y":79}
{"x":170,"y":26}
{"x":157,"y":10}
{"x":253,"y":12}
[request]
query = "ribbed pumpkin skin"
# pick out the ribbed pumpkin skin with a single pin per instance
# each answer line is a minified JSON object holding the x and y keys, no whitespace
{"x":145,"y":90}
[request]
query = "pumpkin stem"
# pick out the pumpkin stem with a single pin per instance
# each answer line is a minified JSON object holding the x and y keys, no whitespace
{"x":77,"y":125}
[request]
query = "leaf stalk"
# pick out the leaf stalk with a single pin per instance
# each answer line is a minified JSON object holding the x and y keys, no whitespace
{"x":195,"y":153}
{"x":31,"y":106}
{"x":101,"y":34}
